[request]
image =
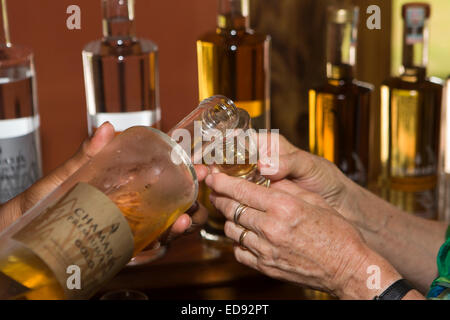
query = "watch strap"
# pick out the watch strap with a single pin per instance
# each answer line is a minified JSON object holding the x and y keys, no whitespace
{"x":395,"y":291}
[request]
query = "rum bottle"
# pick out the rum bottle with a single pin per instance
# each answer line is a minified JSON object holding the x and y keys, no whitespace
{"x":410,"y":122}
{"x":339,"y":109}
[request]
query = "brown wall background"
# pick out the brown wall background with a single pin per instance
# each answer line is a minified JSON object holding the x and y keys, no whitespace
{"x":41,"y":25}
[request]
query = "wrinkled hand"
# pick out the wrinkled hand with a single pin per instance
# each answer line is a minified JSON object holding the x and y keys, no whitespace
{"x":317,"y":175}
{"x":294,"y":235}
{"x":16,"y":207}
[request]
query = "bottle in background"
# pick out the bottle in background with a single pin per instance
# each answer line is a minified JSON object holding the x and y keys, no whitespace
{"x":121,"y":73}
{"x":234,"y":61}
{"x":444,"y":158}
{"x":410,"y":122}
{"x":339,"y":109}
{"x":20,"y":151}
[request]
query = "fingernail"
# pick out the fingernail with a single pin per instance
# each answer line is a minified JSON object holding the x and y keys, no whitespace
{"x":100,"y":128}
{"x":212,"y":198}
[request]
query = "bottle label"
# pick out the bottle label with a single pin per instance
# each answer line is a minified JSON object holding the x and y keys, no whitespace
{"x":84,"y":229}
{"x":415,"y":21}
{"x":125,"y":120}
{"x":20,"y":164}
{"x":411,"y":152}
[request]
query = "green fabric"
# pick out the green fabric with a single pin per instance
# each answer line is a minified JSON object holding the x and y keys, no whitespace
{"x":440,"y":288}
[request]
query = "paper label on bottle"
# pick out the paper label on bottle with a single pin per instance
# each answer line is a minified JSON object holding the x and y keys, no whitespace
{"x":415,"y":21}
{"x":410,"y":157}
{"x":20,"y":164}
{"x":10,"y":288}
{"x":85,"y":231}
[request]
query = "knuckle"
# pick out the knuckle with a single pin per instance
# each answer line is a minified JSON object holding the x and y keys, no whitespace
{"x":286,"y":207}
{"x":274,"y":231}
{"x":240,"y":190}
{"x":264,"y":267}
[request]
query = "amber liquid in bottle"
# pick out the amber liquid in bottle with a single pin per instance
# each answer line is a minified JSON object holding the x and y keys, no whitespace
{"x":339,"y":126}
{"x":234,"y":61}
{"x":339,"y":110}
{"x":410,"y":120}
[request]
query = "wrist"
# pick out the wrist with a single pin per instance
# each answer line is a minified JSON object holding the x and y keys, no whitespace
{"x":369,"y":276}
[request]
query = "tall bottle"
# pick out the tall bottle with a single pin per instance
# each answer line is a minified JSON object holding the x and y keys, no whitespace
{"x":339,"y":109}
{"x":114,"y":206}
{"x":121,"y":73}
{"x":234,"y":61}
{"x":444,"y":157}
{"x":20,"y":151}
{"x":410,"y":122}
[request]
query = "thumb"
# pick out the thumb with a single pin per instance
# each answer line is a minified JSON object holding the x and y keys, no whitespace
{"x":89,"y":148}
{"x":297,"y":165}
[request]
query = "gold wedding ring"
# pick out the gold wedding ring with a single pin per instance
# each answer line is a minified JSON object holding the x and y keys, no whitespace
{"x":238,"y":212}
{"x":242,"y":237}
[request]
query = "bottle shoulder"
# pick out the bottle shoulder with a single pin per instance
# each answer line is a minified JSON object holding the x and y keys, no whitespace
{"x":14,"y":55}
{"x":420,"y":84}
{"x":137,"y":46}
{"x":248,"y":37}
{"x":351,"y":86}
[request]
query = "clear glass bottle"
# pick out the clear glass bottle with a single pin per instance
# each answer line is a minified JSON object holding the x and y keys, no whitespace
{"x":339,"y":110}
{"x":121,"y":73}
{"x":114,"y":206}
{"x":220,"y":113}
{"x":234,"y":61}
{"x":20,"y":151}
{"x":410,"y":123}
{"x":444,"y":158}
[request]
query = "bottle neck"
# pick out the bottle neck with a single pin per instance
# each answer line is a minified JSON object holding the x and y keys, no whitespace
{"x":118,"y":19}
{"x":233,"y":15}
{"x":342,"y":35}
{"x":415,"y":43}
{"x":5,"y":40}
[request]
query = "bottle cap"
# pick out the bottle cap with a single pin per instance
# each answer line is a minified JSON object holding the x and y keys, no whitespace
{"x":343,"y":14}
{"x":425,"y":7}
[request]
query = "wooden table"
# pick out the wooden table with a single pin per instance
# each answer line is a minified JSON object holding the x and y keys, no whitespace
{"x":193,"y":269}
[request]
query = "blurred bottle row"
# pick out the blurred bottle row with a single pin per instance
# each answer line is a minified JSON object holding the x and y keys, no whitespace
{"x":121,"y":81}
